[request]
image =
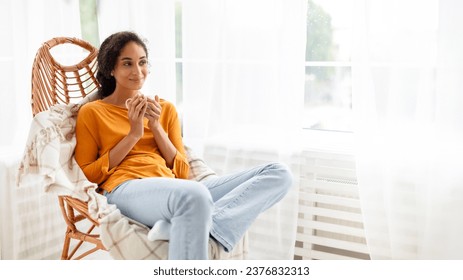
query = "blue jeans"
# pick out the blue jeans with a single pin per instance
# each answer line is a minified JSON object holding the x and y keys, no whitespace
{"x":223,"y":207}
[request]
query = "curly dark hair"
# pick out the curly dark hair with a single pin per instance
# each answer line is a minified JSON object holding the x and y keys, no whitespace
{"x":108,"y":53}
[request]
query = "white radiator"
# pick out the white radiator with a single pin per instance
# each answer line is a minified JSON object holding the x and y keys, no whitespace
{"x":31,"y":223}
{"x":330,"y":223}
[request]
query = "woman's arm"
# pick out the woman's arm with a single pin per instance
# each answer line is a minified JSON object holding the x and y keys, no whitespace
{"x":165,"y":145}
{"x":95,"y":166}
{"x":167,"y":134}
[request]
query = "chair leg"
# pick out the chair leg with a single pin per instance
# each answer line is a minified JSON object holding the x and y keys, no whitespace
{"x":68,"y":252}
{"x":67,"y":242}
{"x":73,"y":212}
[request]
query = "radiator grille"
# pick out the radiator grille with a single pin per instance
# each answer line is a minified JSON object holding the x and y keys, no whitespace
{"x":330,"y":223}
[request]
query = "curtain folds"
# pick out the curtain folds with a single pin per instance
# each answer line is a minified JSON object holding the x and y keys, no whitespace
{"x":243,"y":86}
{"x":25,"y":26}
{"x":243,"y":66}
{"x":407,"y":68}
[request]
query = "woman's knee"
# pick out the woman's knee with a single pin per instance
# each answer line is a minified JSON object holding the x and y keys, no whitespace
{"x":282,"y":174}
{"x":194,"y":198}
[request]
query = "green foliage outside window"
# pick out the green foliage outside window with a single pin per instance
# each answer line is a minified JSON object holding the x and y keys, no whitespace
{"x":89,"y":21}
{"x":319,"y":40}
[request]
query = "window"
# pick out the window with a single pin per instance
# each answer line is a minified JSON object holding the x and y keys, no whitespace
{"x":89,"y":21}
{"x":328,"y":91}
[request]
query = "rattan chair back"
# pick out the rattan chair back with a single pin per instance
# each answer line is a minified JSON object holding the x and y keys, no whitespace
{"x":54,"y":83}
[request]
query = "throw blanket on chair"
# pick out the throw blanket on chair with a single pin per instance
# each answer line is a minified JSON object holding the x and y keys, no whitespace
{"x":49,"y":163}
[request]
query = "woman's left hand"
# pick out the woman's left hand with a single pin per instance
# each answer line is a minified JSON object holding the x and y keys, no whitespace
{"x":153,"y":111}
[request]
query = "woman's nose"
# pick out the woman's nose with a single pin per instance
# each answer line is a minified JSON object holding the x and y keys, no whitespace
{"x":137,"y":70}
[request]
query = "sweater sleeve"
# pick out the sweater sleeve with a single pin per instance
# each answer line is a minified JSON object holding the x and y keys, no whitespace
{"x":180,"y":167}
{"x":94,"y":166}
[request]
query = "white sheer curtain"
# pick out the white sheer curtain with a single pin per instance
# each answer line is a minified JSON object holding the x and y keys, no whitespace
{"x":407,"y":87}
{"x":30,"y":221}
{"x":243,"y":67}
{"x":24,"y":25}
{"x":243,"y":85}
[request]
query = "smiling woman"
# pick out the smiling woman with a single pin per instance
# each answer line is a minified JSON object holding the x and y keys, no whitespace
{"x":131,"y":68}
{"x":137,"y":157}
{"x":125,"y":64}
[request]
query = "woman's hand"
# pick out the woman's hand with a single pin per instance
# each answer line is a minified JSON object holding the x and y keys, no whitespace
{"x":137,"y":107}
{"x":153,"y":111}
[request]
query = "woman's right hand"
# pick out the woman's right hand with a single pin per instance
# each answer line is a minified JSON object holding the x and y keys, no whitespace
{"x":136,"y":111}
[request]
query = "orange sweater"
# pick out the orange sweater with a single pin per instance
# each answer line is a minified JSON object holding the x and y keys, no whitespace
{"x":100,"y":126}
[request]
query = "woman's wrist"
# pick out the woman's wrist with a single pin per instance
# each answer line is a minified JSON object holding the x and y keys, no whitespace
{"x":133,"y":136}
{"x":154,"y":125}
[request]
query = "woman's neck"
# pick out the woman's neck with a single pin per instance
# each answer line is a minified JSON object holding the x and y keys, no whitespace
{"x":119,"y":98}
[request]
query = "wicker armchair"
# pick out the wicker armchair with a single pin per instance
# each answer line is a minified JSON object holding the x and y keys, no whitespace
{"x":54,"y":83}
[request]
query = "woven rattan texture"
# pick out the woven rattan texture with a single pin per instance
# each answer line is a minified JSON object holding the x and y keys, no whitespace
{"x":55,"y":83}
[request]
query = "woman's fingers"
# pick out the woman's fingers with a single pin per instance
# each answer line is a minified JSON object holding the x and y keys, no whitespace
{"x":140,"y":105}
{"x":155,"y":107}
{"x":128,"y":102}
{"x":136,"y":106}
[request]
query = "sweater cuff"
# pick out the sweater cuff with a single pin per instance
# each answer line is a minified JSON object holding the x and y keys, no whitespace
{"x":181,"y":167}
{"x":105,"y":165}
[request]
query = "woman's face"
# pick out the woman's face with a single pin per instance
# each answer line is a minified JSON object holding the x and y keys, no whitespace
{"x":131,"y":67}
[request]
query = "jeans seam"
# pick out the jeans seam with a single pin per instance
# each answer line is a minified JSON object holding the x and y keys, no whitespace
{"x":232,"y":203}
{"x":229,"y":179}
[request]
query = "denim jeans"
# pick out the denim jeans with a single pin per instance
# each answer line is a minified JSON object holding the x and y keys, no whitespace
{"x":223,"y":207}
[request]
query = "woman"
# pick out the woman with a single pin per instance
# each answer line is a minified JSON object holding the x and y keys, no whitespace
{"x":131,"y":146}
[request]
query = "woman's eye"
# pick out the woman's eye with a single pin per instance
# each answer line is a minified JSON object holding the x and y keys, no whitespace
{"x":126,"y":64}
{"x":143,"y":62}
